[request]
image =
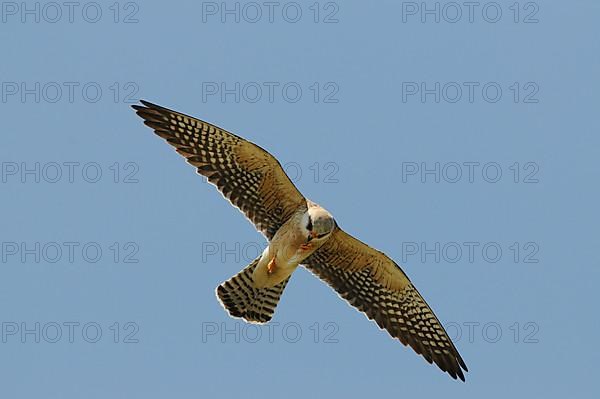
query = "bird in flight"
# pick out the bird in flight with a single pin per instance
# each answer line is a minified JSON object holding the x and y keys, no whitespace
{"x":299,"y":232}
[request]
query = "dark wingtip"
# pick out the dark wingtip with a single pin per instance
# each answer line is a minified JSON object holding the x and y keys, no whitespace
{"x":150,"y":105}
{"x":145,"y":105}
{"x":462,"y":364}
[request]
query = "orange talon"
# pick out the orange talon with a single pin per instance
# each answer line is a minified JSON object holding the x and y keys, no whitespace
{"x":271,"y":266}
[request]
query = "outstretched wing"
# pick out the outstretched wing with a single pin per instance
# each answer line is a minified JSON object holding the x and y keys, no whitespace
{"x":247,"y":175}
{"x":375,"y":285}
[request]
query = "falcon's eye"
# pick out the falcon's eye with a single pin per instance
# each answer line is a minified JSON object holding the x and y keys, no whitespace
{"x":309,"y":226}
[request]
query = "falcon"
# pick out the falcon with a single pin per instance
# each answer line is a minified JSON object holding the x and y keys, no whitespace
{"x":299,"y":232}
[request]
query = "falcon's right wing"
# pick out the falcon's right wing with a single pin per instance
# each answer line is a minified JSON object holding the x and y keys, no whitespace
{"x":247,"y":175}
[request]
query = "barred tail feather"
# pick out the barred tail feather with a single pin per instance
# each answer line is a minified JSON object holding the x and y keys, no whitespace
{"x":239,"y":297}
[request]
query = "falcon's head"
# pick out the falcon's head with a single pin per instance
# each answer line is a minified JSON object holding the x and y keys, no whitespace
{"x":318,"y":223}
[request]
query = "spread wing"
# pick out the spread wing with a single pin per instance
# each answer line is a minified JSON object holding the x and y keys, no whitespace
{"x":247,"y":175}
{"x":375,"y":285}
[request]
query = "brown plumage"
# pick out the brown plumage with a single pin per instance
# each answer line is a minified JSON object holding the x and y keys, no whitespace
{"x":375,"y":285}
{"x":248,"y":176}
{"x":241,"y":299}
{"x":254,"y":181}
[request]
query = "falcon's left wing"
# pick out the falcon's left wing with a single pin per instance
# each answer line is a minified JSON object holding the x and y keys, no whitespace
{"x":373,"y":283}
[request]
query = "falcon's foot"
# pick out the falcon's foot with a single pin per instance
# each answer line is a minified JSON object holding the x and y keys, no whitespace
{"x":271,"y":266}
{"x":306,"y":246}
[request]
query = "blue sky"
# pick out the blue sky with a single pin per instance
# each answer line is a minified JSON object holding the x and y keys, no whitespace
{"x":463,"y":142}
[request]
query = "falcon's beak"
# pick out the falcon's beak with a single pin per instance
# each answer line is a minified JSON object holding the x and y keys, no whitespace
{"x":311,"y":235}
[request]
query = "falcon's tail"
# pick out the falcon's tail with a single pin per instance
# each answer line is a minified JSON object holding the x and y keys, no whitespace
{"x":239,"y":297}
